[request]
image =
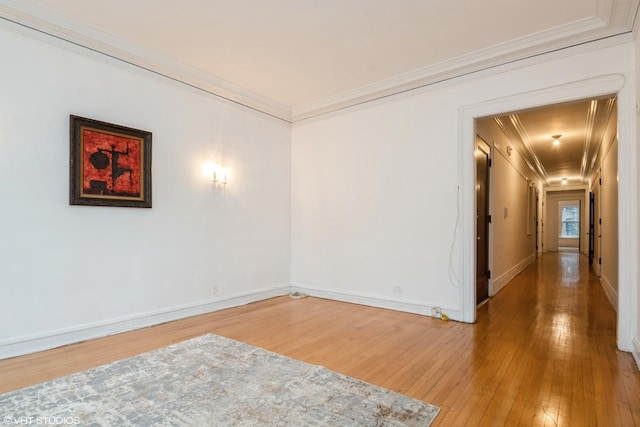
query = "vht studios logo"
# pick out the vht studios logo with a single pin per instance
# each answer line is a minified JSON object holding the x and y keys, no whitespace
{"x":46,"y":421}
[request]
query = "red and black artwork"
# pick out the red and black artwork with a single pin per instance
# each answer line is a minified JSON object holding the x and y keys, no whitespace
{"x":110,"y":164}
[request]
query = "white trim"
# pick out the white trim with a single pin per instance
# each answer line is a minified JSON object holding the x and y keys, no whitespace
{"x":627,"y":215}
{"x":47,"y":21}
{"x":618,"y":20}
{"x":371,"y":300}
{"x":623,"y":85}
{"x":552,"y":197}
{"x":612,"y":296}
{"x":56,"y":338}
{"x":636,"y":351}
{"x":500,"y":282}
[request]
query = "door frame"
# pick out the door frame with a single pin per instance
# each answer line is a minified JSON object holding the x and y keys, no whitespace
{"x":483,"y":140}
{"x":597,"y":245}
{"x":561,"y":204}
{"x":613,"y":84}
{"x":592,"y":228}
{"x":536,"y":219}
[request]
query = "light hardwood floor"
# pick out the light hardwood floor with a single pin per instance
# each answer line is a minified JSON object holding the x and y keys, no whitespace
{"x":542,"y":353}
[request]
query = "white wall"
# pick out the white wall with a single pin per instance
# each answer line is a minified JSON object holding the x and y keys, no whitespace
{"x":604,"y":185}
{"x":374,"y":204}
{"x":609,"y":213}
{"x":635,"y":297}
{"x":375,"y":187}
{"x":71,"y":272}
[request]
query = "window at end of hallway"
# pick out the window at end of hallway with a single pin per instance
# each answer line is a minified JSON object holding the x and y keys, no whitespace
{"x":570,"y":222}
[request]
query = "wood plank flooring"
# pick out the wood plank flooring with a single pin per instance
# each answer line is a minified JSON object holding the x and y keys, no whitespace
{"x":542,"y":353}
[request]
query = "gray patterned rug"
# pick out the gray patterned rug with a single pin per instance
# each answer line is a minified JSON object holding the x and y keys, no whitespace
{"x":211,"y":381}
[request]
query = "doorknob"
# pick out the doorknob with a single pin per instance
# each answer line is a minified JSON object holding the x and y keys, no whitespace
{"x":478,"y":237}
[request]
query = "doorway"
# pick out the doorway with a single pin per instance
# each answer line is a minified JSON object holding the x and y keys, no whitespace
{"x":483,"y":274}
{"x":597,"y":225}
{"x":628,"y":213}
{"x":536,"y":221}
{"x":569,"y":225}
{"x":591,"y":227}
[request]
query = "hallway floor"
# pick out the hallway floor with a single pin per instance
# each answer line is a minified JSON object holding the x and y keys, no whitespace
{"x":542,"y":353}
{"x":554,"y":332}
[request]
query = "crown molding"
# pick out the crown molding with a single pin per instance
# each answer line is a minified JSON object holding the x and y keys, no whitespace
{"x":29,"y":14}
{"x":515,"y":131}
{"x":614,"y":17}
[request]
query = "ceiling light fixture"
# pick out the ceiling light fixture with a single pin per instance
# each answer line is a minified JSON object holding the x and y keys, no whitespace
{"x":556,"y":139}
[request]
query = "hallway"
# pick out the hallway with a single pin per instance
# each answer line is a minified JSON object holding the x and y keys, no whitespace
{"x":556,"y":332}
{"x":542,"y":353}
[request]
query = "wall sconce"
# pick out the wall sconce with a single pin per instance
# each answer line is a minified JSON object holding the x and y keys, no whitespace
{"x":564,"y":181}
{"x":556,"y":139}
{"x":509,"y":149}
{"x":220,"y":178}
{"x":219,"y":175}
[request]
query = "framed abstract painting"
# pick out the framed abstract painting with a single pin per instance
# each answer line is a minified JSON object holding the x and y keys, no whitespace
{"x":110,"y":165}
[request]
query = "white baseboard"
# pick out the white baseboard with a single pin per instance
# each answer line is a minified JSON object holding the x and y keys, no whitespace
{"x":397,"y":304}
{"x":500,"y":282}
{"x":612,"y":295}
{"x":636,"y":351}
{"x":56,"y":338}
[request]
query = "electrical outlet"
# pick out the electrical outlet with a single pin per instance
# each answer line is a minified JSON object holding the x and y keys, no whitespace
{"x":397,"y":288}
{"x":215,"y":289}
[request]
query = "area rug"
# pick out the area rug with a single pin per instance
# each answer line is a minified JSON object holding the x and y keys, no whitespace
{"x":211,"y":381}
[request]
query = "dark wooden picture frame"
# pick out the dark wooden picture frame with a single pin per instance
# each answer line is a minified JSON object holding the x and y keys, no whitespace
{"x":110,"y":165}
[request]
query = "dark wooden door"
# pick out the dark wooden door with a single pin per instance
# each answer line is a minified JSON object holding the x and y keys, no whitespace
{"x":597,"y":225}
{"x":535,"y":219}
{"x":592,"y":221}
{"x":482,"y":220}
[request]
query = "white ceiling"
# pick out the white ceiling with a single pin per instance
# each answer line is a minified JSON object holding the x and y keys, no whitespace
{"x":582,"y":125}
{"x":298,"y":58}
